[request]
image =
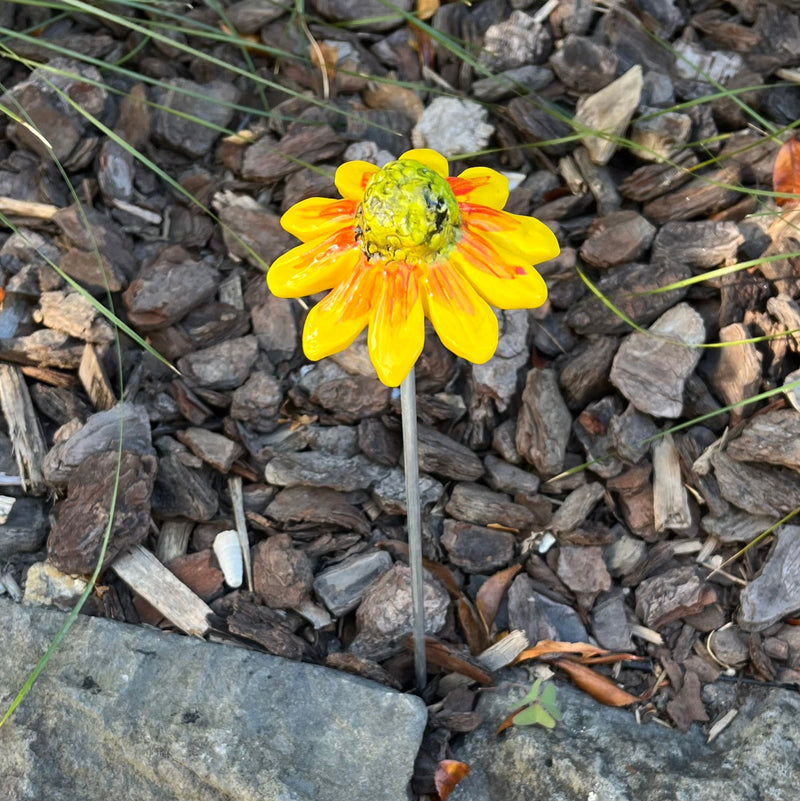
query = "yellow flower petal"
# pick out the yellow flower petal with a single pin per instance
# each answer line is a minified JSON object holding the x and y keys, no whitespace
{"x":352,"y":177}
{"x":318,"y":217}
{"x":340,"y":317}
{"x":397,"y":324}
{"x":462,"y":319}
{"x":502,"y":278}
{"x":314,"y":266}
{"x":482,"y":186}
{"x":429,"y":158}
{"x":529,"y":237}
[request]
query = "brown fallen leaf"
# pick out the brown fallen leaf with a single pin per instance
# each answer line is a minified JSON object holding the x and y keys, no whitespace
{"x":786,"y":172}
{"x":474,"y":630}
{"x":609,"y":659}
{"x":427,"y":8}
{"x":507,"y":723}
{"x":448,"y":774}
{"x":424,"y":46}
{"x":491,"y":593}
{"x":600,"y":687}
{"x":325,"y":56}
{"x":446,"y":657}
{"x":545,"y":647}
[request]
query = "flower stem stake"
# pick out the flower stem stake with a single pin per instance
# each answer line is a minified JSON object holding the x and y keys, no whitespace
{"x":407,"y":242}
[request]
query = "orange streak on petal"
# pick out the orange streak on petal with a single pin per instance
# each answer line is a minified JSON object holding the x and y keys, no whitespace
{"x":516,"y":288}
{"x":397,"y":324}
{"x":316,"y":217}
{"x":465,"y":323}
{"x":515,"y":237}
{"x":340,"y":316}
{"x":355,"y":297}
{"x":481,"y":186}
{"x":400,"y":289}
{"x":484,"y":218}
{"x":446,"y":288}
{"x":463,"y":186}
{"x":484,"y":257}
{"x":314,"y":266}
{"x":338,"y":208}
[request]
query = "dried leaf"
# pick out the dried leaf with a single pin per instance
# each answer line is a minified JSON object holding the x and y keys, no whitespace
{"x":474,"y":631}
{"x":786,"y":172}
{"x":448,"y":774}
{"x":544,"y":647}
{"x":509,"y":721}
{"x":609,"y":659}
{"x":600,"y":687}
{"x":491,"y":594}
{"x":445,"y":657}
{"x":424,"y":47}
{"x":325,"y":56}
{"x":427,"y":8}
{"x":445,"y":576}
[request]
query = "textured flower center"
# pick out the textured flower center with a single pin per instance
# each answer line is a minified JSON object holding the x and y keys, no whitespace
{"x":409,"y":213}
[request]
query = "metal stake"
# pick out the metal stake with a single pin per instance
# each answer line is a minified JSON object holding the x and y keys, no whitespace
{"x":408,"y":406}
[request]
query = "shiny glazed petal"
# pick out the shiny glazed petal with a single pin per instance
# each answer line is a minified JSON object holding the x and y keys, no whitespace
{"x":352,"y":177}
{"x":529,"y":237}
{"x":428,"y":158}
{"x":397,"y":324}
{"x":340,"y":317}
{"x":480,"y":186}
{"x":462,"y":319}
{"x":502,"y":279}
{"x":318,"y":217}
{"x":314,"y":266}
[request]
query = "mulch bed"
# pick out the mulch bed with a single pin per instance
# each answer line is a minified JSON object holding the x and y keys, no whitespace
{"x":304,"y":460}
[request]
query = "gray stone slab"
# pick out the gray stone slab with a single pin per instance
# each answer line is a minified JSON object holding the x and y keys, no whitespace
{"x":600,"y":753}
{"x":128,"y":713}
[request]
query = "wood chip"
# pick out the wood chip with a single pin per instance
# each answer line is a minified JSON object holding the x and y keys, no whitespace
{"x":95,"y":381}
{"x":23,"y":428}
{"x":81,"y":520}
{"x":145,"y":575}
{"x":670,"y":500}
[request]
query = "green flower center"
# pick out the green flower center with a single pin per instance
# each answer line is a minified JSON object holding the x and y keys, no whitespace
{"x":409,"y":213}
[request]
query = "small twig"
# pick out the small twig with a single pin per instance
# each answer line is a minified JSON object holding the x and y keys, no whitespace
{"x":27,"y":208}
{"x":320,"y":56}
{"x":718,"y":571}
{"x":237,"y":502}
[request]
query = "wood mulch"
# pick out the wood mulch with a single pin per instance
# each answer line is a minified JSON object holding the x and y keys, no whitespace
{"x":302,"y":461}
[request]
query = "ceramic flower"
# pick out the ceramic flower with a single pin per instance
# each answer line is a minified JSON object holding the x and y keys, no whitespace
{"x":404,"y":243}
